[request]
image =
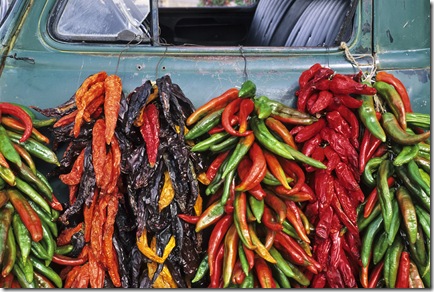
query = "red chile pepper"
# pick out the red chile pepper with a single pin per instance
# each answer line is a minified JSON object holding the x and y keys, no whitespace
{"x":66,"y":235}
{"x":343,"y":217}
{"x":212,"y":105}
{"x":341,"y":84}
{"x":264,"y":273}
{"x":238,"y":274}
{"x":349,"y":101}
{"x":338,"y":123}
{"x":311,"y":145}
{"x":216,"y":238}
{"x":402,"y":280}
{"x":229,"y":111}
{"x":217,"y":267}
{"x":219,"y":128}
{"x":277,"y":205}
{"x":246,"y":108}
{"x":3,"y":161}
{"x":257,"y":171}
{"x":269,"y":220}
{"x":345,"y":201}
{"x":399,"y":87}
{"x":364,"y":148}
{"x":310,"y":131}
{"x":243,"y":170}
{"x":291,"y":215}
{"x":17,"y":112}
{"x":303,"y":95}
{"x":308,"y":74}
{"x":388,"y":93}
{"x":311,"y":101}
{"x":211,"y":215}
{"x":189,"y":218}
{"x":250,"y":256}
{"x":14,"y":124}
{"x":68,"y":261}
{"x":29,"y":217}
{"x":280,"y":129}
{"x":322,"y":74}
{"x":372,"y":199}
{"x":55,"y":204}
{"x":150,"y":131}
{"x":215,"y":165}
{"x":351,"y":118}
{"x":325,"y":98}
{"x":376,"y":275}
{"x":275,"y":168}
{"x":288,"y":250}
{"x":293,"y":170}
{"x":332,"y":158}
{"x":381,"y":150}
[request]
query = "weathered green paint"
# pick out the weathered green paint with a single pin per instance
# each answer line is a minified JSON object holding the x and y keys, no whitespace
{"x":201,"y":72}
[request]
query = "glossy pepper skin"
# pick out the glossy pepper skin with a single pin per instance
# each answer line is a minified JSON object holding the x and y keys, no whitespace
{"x":398,"y":134}
{"x":393,"y":100}
{"x":399,"y":87}
{"x":17,"y":112}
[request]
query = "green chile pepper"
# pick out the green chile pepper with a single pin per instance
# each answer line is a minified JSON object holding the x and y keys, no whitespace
{"x":368,"y":116}
{"x":7,"y":148}
{"x":408,"y":153}
{"x":414,"y":174}
{"x":408,"y":212}
{"x":207,"y":143}
{"x":396,"y":221}
{"x":371,"y":167}
{"x":398,"y":134}
{"x":368,"y":239}
{"x":391,"y":262}
{"x":257,"y":207}
{"x":46,"y":271}
{"x":424,"y":220}
{"x":380,"y":248}
{"x":205,"y":124}
{"x":201,"y":270}
{"x":385,"y":170}
{"x":226,"y":144}
{"x":22,"y":236}
{"x":248,"y":89}
{"x":414,"y":189}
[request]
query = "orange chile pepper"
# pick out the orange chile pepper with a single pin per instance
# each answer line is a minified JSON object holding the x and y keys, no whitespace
{"x":68,"y":261}
{"x":88,"y":212}
{"x":113,"y":94}
{"x":399,"y":87}
{"x":66,"y":234}
{"x":3,"y":161}
{"x":246,"y":108}
{"x":275,"y":168}
{"x":93,"y":107}
{"x":264,"y":273}
{"x":110,"y":256}
{"x":257,"y":171}
{"x":74,"y":176}
{"x":212,"y":105}
{"x":17,"y":112}
{"x":280,"y":129}
{"x":230,"y":110}
{"x":230,"y":256}
{"x":216,"y":238}
{"x":99,"y":151}
{"x":65,"y":120}
{"x":70,"y":278}
{"x":29,"y":217}
{"x":240,"y":219}
{"x":116,"y":163}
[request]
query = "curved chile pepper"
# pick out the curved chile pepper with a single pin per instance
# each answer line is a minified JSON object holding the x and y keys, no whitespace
{"x":291,"y":215}
{"x":398,"y":134}
{"x":257,"y":171}
{"x":261,"y":250}
{"x":349,"y":101}
{"x":211,"y":215}
{"x":372,"y":199}
{"x":219,"y":128}
{"x":216,"y":237}
{"x":15,"y":125}
{"x":19,"y":113}
{"x":393,"y":100}
{"x":228,"y":112}
{"x":204,"y":125}
{"x":246,"y":108}
{"x":214,"y":104}
{"x":408,"y":212}
{"x":68,"y":261}
{"x":280,"y":129}
{"x":277,"y":205}
{"x":399,"y":87}
{"x":276,"y":169}
{"x":243,"y":170}
{"x":248,"y":89}
{"x":351,"y":118}
{"x":269,"y":220}
{"x":325,"y":99}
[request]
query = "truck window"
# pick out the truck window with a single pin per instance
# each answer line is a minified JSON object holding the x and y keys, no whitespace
{"x":260,"y":23}
{"x":4,"y":8}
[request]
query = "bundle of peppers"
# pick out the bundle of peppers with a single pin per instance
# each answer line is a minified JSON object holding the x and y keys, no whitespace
{"x":28,"y":207}
{"x":395,"y":160}
{"x":256,"y":193}
{"x":129,"y":174}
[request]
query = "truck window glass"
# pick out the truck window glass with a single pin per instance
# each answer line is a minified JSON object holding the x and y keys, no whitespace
{"x":205,"y":3}
{"x":101,"y":20}
{"x":4,"y":8}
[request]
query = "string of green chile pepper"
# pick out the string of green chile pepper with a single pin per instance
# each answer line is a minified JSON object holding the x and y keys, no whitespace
{"x":408,"y":212}
{"x":396,"y":220}
{"x":408,"y":153}
{"x":414,"y":189}
{"x":7,"y":148}
{"x":414,"y":174}
{"x":385,"y":170}
{"x":391,"y":262}
{"x":424,"y":220}
{"x":380,"y":248}
{"x":22,"y":236}
{"x":368,"y":238}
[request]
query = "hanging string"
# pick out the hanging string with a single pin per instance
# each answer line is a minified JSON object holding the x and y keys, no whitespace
{"x":353,"y":59}
{"x":159,"y":62}
{"x":127,"y":47}
{"x":245,"y":74}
